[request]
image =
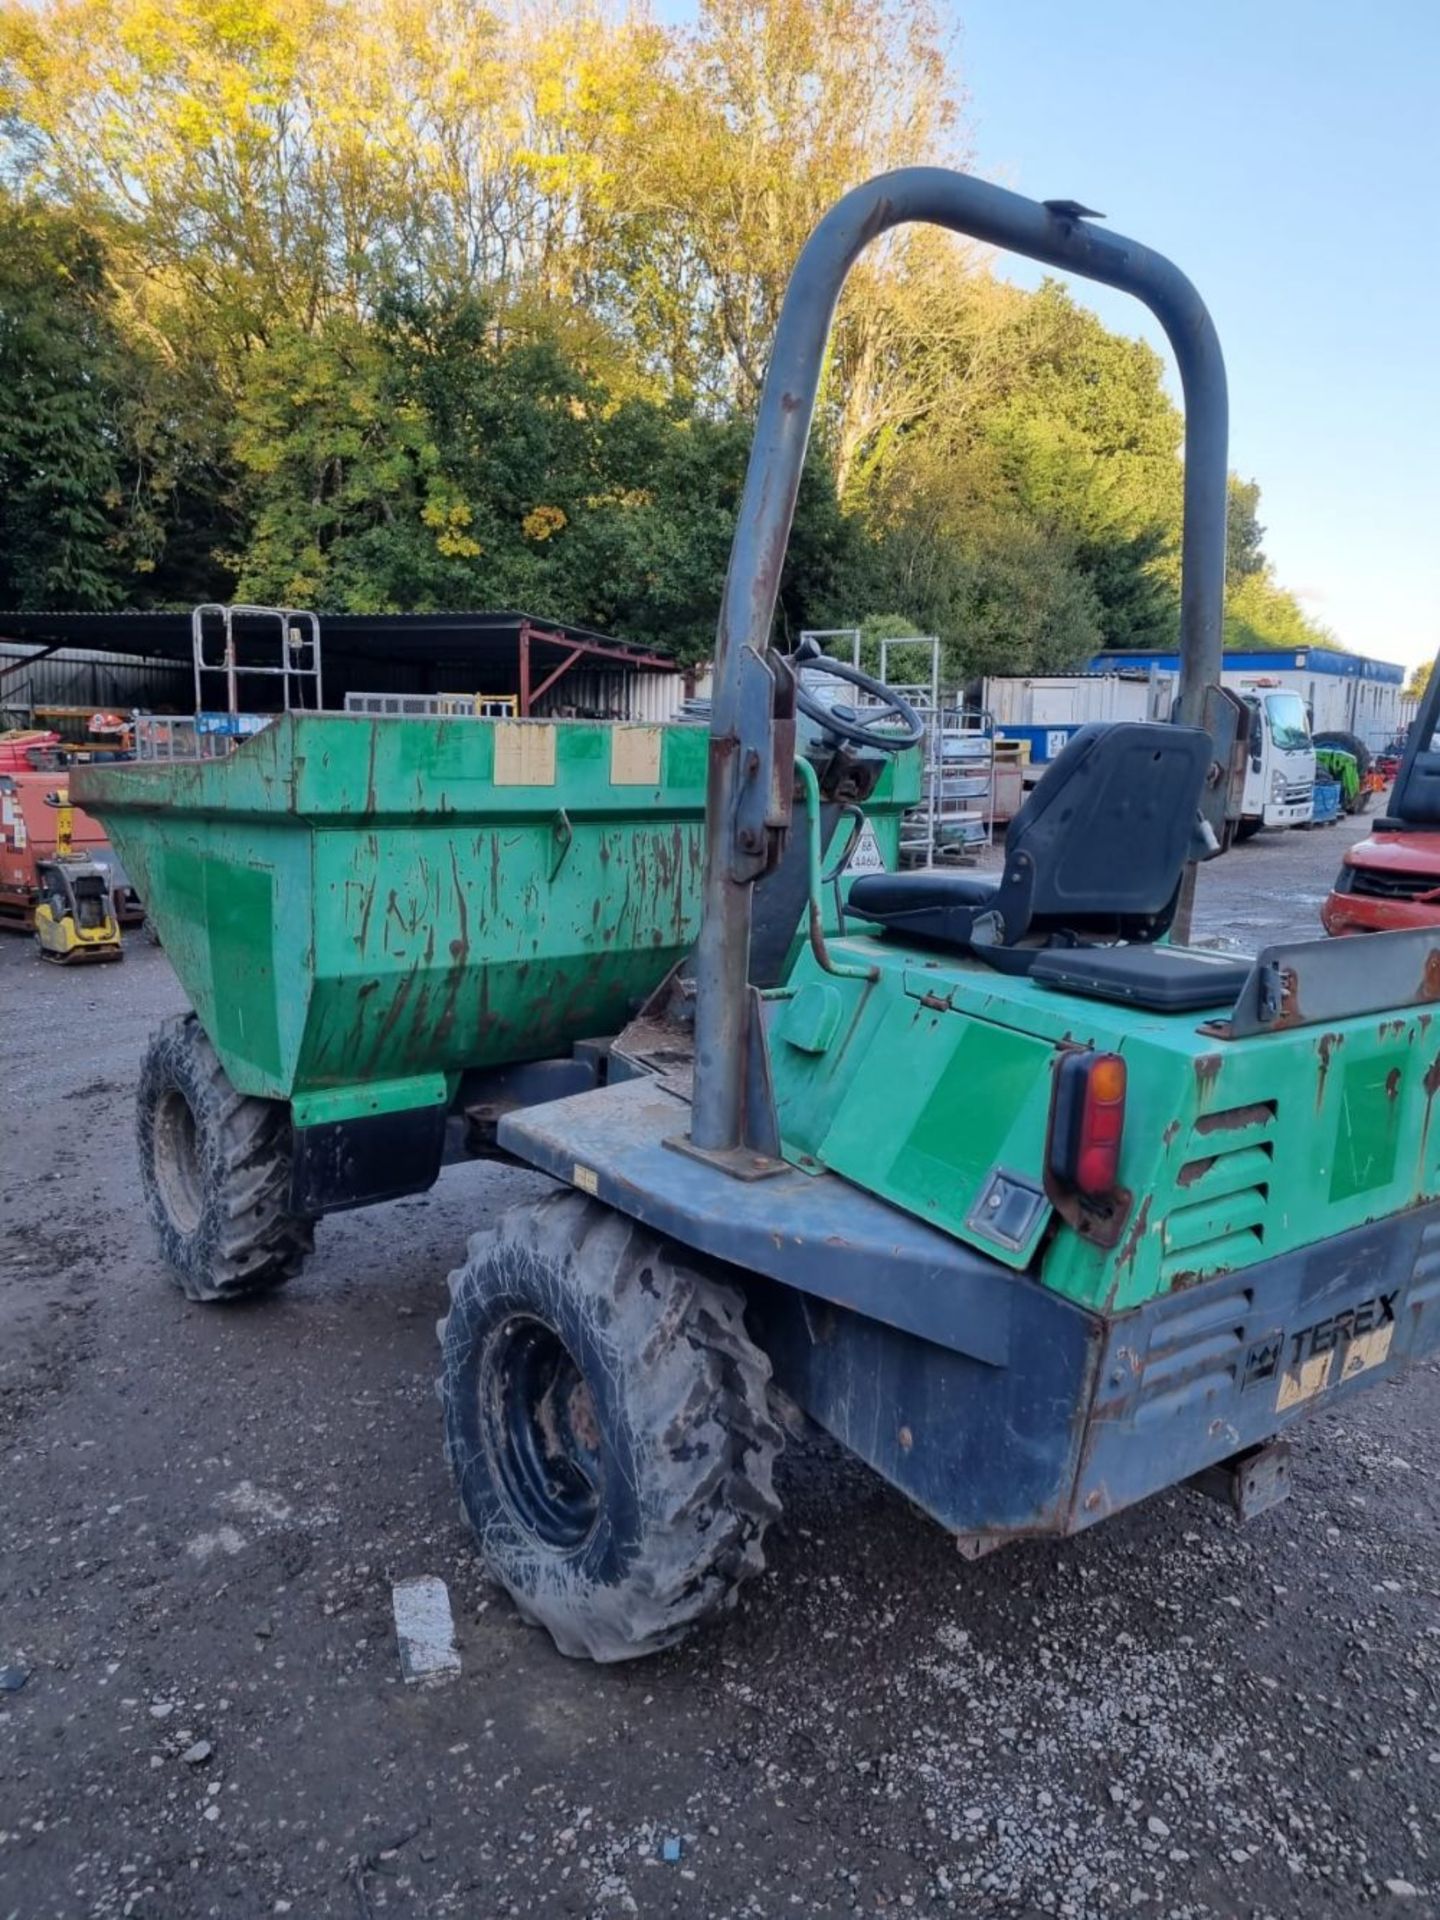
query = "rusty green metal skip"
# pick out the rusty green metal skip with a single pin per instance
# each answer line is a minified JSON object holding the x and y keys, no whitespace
{"x":362,"y":908}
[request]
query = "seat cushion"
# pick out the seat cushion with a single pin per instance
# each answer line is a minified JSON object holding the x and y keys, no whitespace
{"x":1160,"y":979}
{"x":930,"y":890}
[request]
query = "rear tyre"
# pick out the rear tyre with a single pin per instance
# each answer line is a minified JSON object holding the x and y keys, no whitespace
{"x":607,"y":1423}
{"x":215,"y":1168}
{"x":1350,"y":743}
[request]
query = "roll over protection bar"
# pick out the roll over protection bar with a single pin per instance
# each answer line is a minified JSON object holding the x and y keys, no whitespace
{"x":743,"y":756}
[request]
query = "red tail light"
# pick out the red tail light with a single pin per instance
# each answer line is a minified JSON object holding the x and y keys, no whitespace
{"x":1088,"y":1123}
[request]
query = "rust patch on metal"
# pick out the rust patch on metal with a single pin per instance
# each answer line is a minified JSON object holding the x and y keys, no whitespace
{"x":1131,"y":1246}
{"x":1430,"y":981}
{"x":1194,"y":1170}
{"x":1325,"y":1046}
{"x":365,"y":913}
{"x":390,"y":1019}
{"x":1392,"y":1083}
{"x":1259,"y":1113}
{"x":1431,"y":1084}
{"x":459,"y":954}
{"x":1291,"y":1013}
{"x":1207,"y":1072}
{"x":1192,"y":1277}
{"x":461,"y":947}
{"x":1167,"y":1138}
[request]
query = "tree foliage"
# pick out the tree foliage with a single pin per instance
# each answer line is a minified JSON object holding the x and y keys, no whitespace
{"x":388,"y":304}
{"x":66,"y":472}
{"x":434,"y":459}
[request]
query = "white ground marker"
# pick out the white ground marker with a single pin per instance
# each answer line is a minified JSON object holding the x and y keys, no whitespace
{"x":425,"y":1630}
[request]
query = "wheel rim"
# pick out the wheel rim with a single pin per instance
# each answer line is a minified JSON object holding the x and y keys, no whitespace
{"x":543,"y":1440}
{"x":178,"y":1172}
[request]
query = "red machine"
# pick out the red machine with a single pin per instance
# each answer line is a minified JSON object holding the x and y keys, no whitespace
{"x":1391,"y":879}
{"x":27,"y":836}
{"x":17,"y":746}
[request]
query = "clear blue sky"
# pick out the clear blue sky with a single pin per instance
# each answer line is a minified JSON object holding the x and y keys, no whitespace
{"x":1286,"y":154}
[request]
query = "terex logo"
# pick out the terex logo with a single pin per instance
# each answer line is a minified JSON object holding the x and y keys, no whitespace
{"x":1351,"y":1324}
{"x":1301,"y":1361}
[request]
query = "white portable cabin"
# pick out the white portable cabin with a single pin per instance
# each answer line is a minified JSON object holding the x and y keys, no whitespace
{"x":1345,"y":692}
{"x":1043,"y":710}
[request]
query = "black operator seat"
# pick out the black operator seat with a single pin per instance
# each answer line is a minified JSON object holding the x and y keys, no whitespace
{"x":1096,"y":853}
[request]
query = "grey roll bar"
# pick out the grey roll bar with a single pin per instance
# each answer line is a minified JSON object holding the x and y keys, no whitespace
{"x":1056,"y":233}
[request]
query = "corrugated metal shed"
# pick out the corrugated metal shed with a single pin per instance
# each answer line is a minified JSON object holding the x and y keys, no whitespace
{"x":143,"y":660}
{"x":632,"y":694}
{"x":30,"y":678}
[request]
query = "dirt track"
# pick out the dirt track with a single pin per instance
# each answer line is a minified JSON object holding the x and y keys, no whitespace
{"x":204,"y":1511}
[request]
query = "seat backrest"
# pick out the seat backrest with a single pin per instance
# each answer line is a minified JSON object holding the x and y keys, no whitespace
{"x":1415,"y":801}
{"x":1102,"y":841}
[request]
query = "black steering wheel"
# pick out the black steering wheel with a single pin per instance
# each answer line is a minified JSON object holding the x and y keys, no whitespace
{"x":845,"y":723}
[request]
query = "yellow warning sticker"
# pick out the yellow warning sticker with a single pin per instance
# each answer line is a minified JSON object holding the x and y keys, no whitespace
{"x":585,"y":1178}
{"x":1369,"y":1350}
{"x":1305,"y":1381}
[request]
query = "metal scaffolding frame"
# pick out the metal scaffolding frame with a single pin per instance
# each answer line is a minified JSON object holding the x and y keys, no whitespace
{"x":296,"y":659}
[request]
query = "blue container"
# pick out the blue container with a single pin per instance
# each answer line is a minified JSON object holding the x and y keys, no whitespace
{"x":1325,"y":803}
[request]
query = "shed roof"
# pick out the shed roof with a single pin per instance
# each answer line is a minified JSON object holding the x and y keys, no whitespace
{"x":461,"y":638}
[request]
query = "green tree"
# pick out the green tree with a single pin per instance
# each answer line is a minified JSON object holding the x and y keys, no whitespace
{"x":1259,"y":614}
{"x":1244,"y":535}
{"x":440,"y":458}
{"x":404,"y":303}
{"x":71,"y":530}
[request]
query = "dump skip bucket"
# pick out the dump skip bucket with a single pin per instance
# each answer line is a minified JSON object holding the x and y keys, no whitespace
{"x":359,"y":908}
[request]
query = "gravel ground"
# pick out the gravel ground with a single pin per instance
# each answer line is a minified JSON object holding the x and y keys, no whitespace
{"x":204,"y":1512}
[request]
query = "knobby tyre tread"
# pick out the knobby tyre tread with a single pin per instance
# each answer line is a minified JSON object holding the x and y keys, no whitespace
{"x":223,"y":1217}
{"x":680,"y":1396}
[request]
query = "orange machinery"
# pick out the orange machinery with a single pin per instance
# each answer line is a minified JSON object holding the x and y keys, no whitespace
{"x":27,"y":835}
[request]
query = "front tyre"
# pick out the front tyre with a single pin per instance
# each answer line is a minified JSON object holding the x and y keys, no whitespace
{"x":607,"y":1423}
{"x":215,"y":1169}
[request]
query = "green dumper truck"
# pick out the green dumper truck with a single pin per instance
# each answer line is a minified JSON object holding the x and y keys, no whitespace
{"x":1032,"y":1206}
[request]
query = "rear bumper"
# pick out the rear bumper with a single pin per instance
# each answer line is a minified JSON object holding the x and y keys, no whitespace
{"x":1088,"y":1416}
{"x":1203,"y":1374}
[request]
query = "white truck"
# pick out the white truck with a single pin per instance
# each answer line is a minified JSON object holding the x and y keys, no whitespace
{"x":1045,"y":709}
{"x":1280,"y":776}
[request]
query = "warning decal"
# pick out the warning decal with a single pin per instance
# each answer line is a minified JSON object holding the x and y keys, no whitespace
{"x":865,"y":856}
